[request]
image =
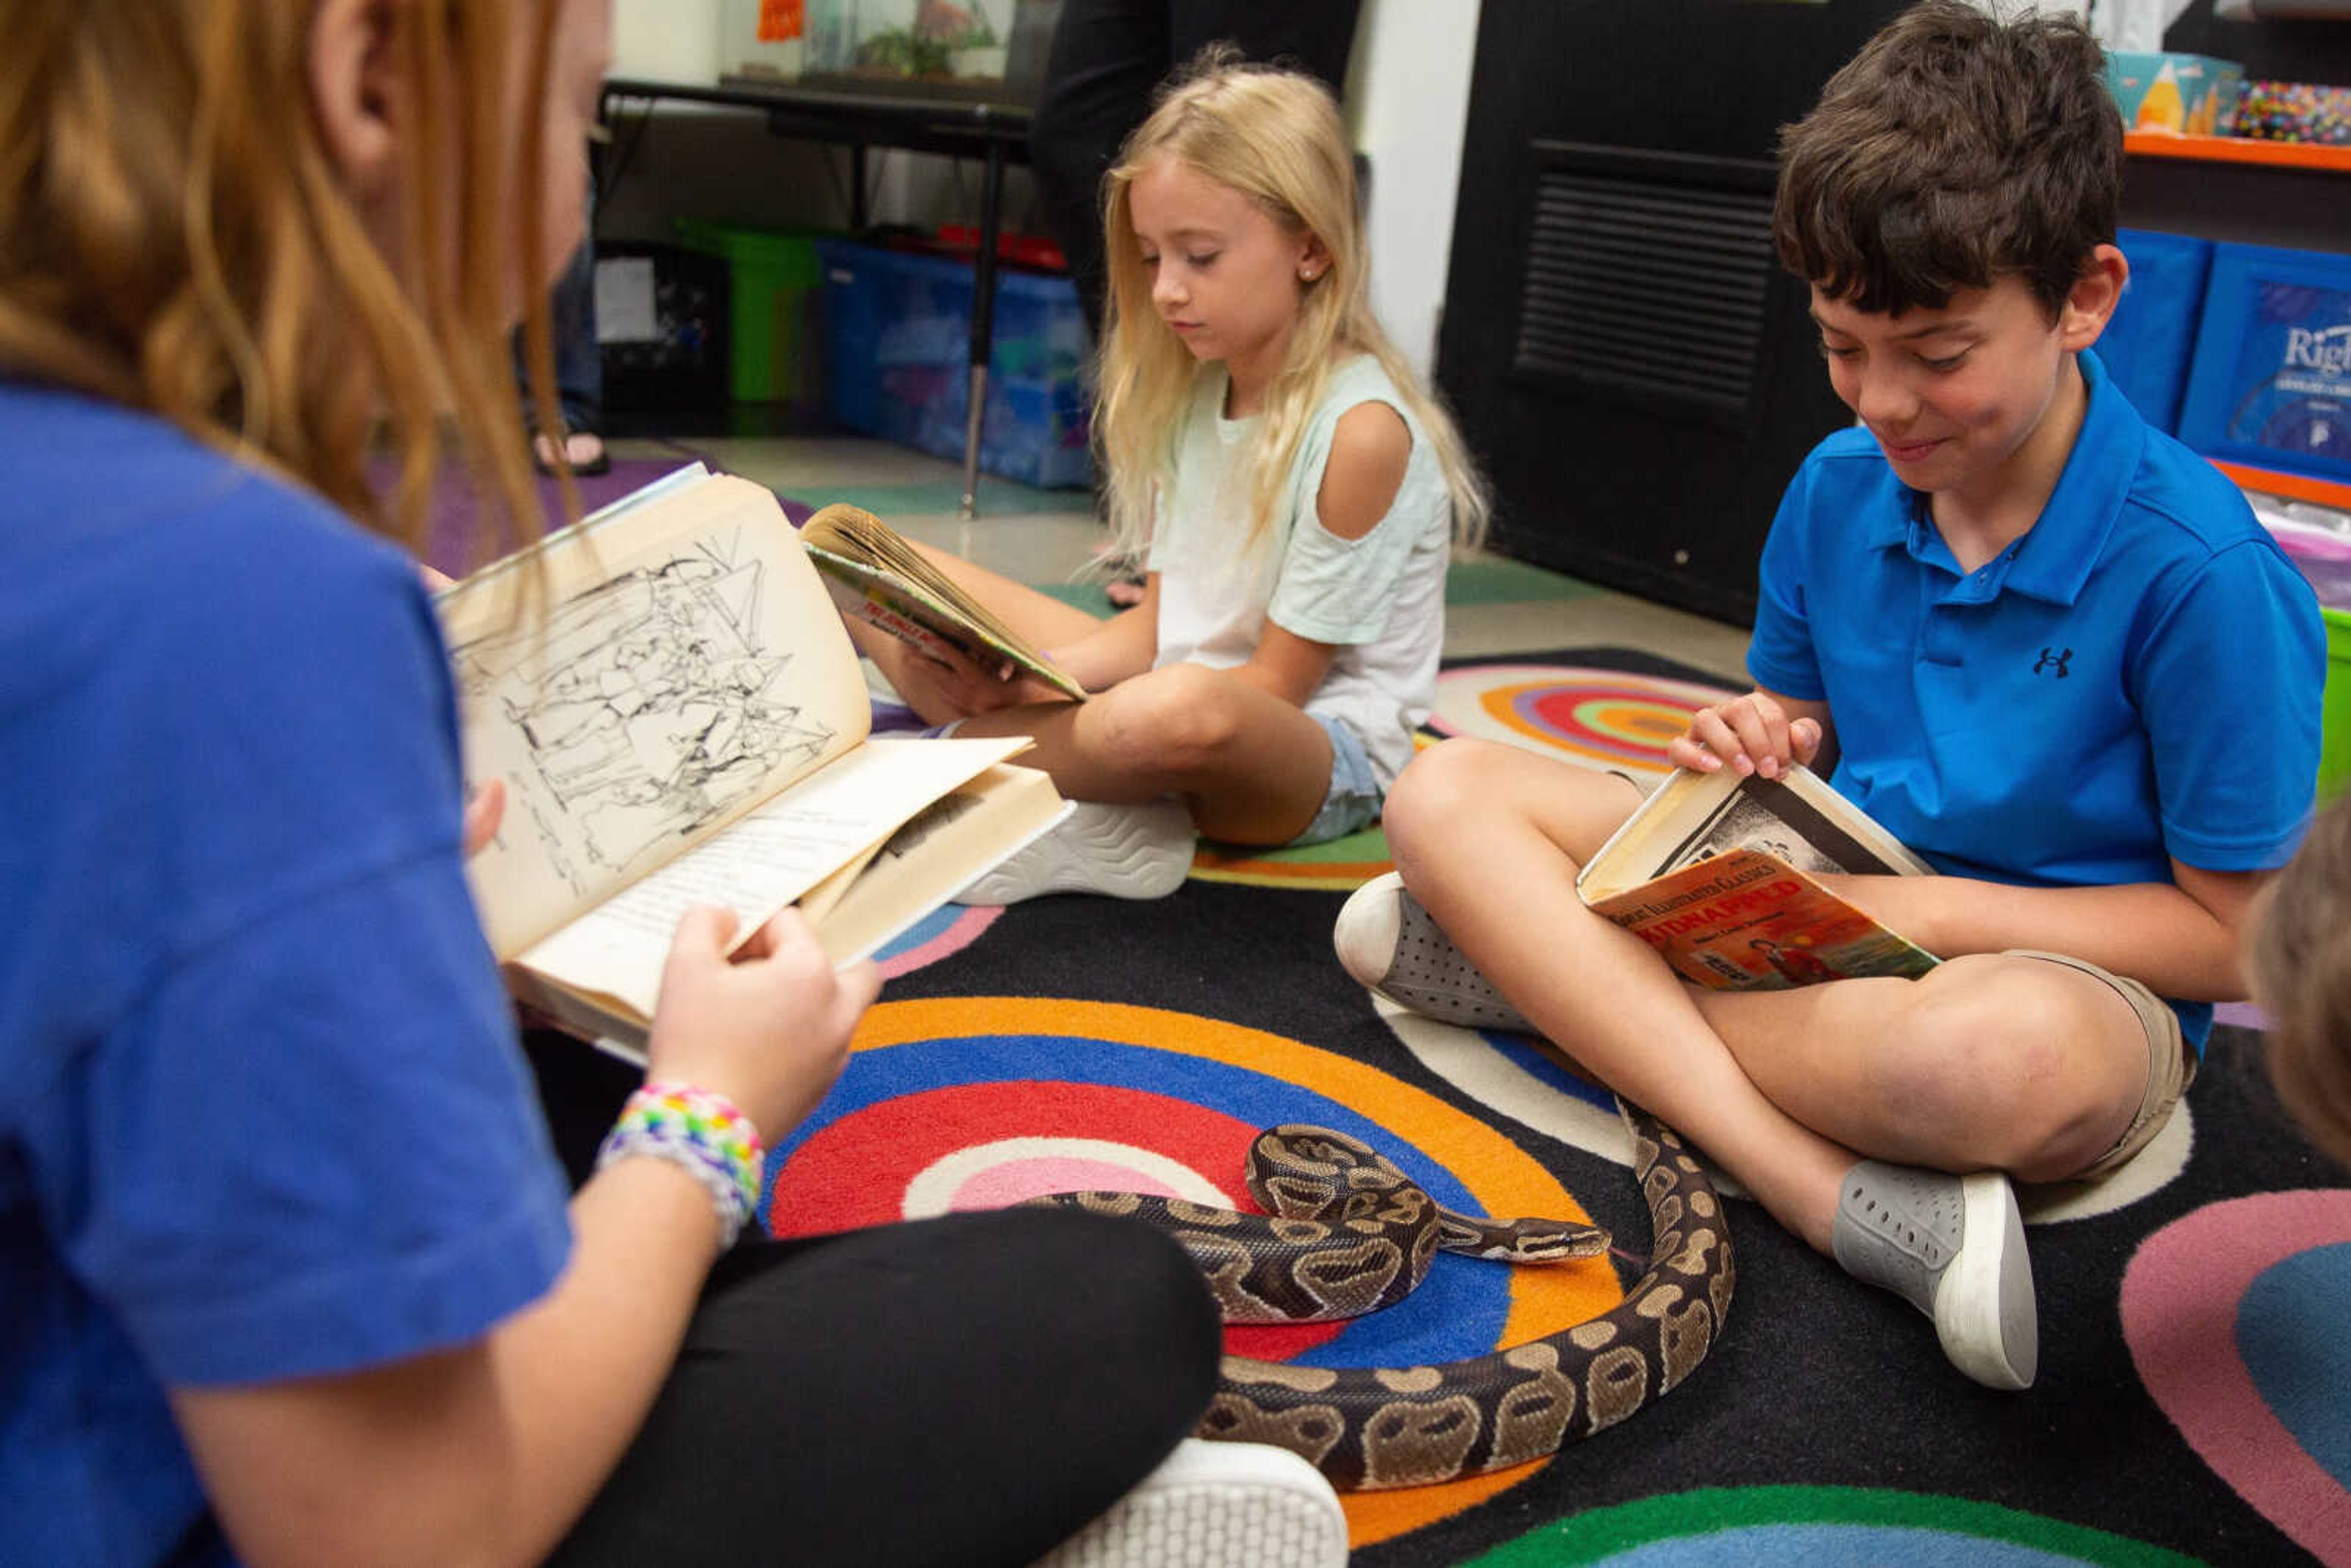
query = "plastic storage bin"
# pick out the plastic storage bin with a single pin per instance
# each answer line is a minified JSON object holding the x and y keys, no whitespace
{"x":897,"y":336}
{"x":2146,"y":345}
{"x":2271,"y":382}
{"x":667,"y":352}
{"x":772,"y":299}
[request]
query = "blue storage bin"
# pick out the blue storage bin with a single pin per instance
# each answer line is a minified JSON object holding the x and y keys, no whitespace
{"x":2147,"y":343}
{"x":897,"y":330}
{"x":2270,"y":383}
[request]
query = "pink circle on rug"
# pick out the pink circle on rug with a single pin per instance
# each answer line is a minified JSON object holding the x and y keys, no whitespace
{"x":944,"y":934}
{"x":2181,"y":1297}
{"x":1016,"y":1181}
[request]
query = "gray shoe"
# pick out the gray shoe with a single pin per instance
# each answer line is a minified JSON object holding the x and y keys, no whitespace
{"x":1389,"y":942}
{"x":1953,"y":1246}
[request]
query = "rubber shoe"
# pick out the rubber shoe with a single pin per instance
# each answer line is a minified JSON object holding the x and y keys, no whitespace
{"x":1125,"y":852}
{"x":1953,"y":1246}
{"x":1216,"y":1505}
{"x":1390,"y":943}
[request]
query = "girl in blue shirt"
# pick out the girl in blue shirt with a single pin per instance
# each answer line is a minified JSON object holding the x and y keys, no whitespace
{"x":288,"y":1272}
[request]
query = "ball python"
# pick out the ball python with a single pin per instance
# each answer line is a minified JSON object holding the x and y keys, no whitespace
{"x":1347,"y":1233}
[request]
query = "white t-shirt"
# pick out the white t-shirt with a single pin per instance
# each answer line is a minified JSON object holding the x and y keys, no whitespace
{"x":1380,"y":599}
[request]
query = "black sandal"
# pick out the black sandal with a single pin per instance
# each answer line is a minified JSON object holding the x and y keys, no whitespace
{"x":542,"y":450}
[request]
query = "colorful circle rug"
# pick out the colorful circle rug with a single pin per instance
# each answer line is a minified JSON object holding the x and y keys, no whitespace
{"x":1599,"y":717}
{"x":974,"y":1103}
{"x":2235,"y":1316}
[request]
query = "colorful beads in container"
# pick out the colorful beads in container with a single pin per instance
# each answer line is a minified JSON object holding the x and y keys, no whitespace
{"x":2295,"y":112}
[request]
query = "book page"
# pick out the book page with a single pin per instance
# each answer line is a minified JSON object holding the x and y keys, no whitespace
{"x":879,"y":576}
{"x":687,"y":664}
{"x":1692,"y":816}
{"x":763,"y":862}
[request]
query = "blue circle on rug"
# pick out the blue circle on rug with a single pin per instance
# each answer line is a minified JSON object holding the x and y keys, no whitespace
{"x":1460,"y":1309}
{"x":1828,"y":1544}
{"x":2289,"y":1329}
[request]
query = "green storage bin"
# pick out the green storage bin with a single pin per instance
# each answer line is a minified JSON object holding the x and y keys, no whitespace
{"x":774,"y":282}
{"x":2334,"y":708}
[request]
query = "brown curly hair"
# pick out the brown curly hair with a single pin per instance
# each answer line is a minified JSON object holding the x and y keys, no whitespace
{"x":1956,"y":147}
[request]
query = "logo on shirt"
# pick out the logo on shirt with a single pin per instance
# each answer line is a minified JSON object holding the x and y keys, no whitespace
{"x":2053,"y":660}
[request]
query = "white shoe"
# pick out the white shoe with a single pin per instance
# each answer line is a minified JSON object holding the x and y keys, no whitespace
{"x":1389,"y":942}
{"x":1127,"y":851}
{"x":1953,"y":1246}
{"x":1216,"y":1505}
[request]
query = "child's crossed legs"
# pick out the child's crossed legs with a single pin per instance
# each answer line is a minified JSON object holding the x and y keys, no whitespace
{"x":1991,"y":1061}
{"x":1820,"y":1100}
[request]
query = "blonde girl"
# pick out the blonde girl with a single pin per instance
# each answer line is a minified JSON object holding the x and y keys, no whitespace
{"x":1294,"y":491}
{"x":290,"y":1269}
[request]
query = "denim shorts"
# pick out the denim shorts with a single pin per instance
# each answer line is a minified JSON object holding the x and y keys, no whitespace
{"x":1354,"y":797}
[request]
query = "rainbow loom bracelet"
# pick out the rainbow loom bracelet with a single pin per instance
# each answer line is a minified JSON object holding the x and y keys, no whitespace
{"x":700,"y":1130}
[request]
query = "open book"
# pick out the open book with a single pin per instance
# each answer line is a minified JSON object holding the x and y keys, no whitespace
{"x":681,"y":719}
{"x":874,"y":574}
{"x":1714,"y":872}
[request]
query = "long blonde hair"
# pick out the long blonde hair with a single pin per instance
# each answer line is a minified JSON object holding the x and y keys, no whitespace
{"x":1274,"y":136}
{"x":175,"y":236}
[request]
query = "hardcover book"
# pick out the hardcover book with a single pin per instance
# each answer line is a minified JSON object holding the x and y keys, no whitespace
{"x":679,"y":717}
{"x":1719,"y":874}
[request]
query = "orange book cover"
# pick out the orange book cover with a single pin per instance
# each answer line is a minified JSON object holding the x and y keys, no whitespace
{"x":1746,"y":920}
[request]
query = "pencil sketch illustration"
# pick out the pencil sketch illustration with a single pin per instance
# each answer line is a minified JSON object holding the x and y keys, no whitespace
{"x":646,"y":707}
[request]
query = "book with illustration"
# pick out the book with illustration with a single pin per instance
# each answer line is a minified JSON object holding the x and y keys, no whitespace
{"x":679,"y":717}
{"x":1719,"y":873}
{"x":876,"y":574}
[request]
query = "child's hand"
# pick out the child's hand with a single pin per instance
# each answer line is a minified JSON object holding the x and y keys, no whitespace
{"x":484,"y":805}
{"x":958,"y":688}
{"x":768,"y":1029}
{"x":1752,"y":733}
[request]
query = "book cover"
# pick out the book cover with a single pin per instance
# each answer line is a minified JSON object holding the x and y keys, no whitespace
{"x":1718,"y":873}
{"x":1746,"y":920}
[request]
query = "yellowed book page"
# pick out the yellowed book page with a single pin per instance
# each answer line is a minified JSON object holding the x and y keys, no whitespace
{"x":1690,"y":816}
{"x":689,"y":664}
{"x":936,"y":855}
{"x":762,"y":862}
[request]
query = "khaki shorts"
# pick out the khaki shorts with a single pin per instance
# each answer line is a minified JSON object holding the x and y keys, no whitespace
{"x":2170,"y":1065}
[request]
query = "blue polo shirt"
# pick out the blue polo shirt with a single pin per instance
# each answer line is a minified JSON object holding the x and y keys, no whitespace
{"x":2133,"y":680}
{"x":262,"y":1114}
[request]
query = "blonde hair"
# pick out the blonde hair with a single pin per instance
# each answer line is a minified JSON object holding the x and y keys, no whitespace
{"x":2300,"y":952}
{"x":175,"y":236}
{"x":1275,"y":137}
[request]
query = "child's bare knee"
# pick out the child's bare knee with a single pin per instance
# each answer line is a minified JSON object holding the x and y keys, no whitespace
{"x":1175,"y":720}
{"x":1437,"y":786}
{"x":1998,"y":1053}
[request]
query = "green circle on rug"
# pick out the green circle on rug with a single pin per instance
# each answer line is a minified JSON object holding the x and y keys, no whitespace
{"x":1820,"y":1527}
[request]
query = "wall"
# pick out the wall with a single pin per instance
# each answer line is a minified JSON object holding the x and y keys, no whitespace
{"x":1407,"y":102}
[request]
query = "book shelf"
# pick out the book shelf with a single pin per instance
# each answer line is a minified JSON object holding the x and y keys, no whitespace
{"x":2239,"y":149}
{"x":2251,"y":192}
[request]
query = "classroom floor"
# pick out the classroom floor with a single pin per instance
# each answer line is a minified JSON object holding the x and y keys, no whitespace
{"x":1048,"y":537}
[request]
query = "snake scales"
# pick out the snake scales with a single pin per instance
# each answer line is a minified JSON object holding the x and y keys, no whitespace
{"x":1347,"y":1233}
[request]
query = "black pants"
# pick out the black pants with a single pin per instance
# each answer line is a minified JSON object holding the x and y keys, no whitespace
{"x":968,"y":1390}
{"x":1106,"y":58}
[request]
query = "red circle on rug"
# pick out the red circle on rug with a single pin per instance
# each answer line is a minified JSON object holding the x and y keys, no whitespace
{"x":854,"y":1173}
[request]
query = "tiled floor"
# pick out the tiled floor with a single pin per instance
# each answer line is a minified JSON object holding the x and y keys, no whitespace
{"x":1048,"y":537}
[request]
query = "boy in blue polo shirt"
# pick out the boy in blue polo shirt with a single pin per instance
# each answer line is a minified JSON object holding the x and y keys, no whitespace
{"x":2035,"y":634}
